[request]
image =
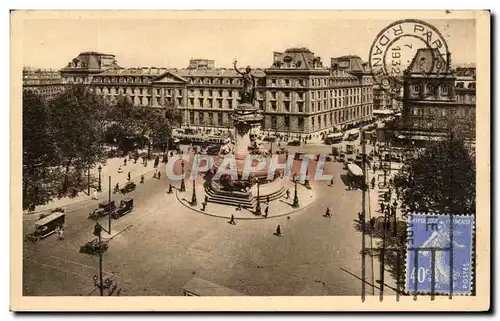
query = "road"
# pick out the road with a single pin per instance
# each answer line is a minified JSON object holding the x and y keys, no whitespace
{"x":168,"y":244}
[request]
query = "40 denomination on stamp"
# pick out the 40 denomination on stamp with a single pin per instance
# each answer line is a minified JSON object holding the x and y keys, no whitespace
{"x":439,"y":254}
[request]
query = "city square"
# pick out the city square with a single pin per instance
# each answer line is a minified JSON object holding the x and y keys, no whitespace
{"x":114,"y":204}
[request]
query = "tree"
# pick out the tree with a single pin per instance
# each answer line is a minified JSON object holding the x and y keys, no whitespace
{"x":77,"y":119}
{"x":441,"y":179}
{"x":38,"y":151}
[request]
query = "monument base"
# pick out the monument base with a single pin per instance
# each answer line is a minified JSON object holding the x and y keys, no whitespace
{"x":248,"y":199}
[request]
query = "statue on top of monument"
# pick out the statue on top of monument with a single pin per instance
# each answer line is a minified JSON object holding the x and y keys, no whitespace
{"x":249,"y":84}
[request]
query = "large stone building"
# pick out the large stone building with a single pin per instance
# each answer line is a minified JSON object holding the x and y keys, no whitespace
{"x":434,"y":100}
{"x":81,"y":69}
{"x":296,"y":94}
{"x":44,"y":82}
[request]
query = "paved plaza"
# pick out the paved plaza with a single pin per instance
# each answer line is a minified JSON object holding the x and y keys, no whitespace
{"x":163,"y":243}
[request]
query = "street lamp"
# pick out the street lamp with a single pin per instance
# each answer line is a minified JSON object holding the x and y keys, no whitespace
{"x":193,"y":198}
{"x":257,"y":208}
{"x":295,"y":197}
{"x":183,"y":186}
{"x":99,"y":185}
{"x":98,"y":281}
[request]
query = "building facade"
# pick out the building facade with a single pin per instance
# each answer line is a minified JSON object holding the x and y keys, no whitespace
{"x":45,"y":82}
{"x":81,"y":69}
{"x":296,"y":94}
{"x":432,"y":100}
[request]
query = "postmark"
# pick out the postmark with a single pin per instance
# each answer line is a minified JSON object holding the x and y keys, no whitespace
{"x":395,"y":47}
{"x":435,"y":243}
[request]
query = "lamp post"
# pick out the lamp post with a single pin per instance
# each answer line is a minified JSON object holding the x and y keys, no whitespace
{"x":193,"y":198}
{"x":99,"y":185}
{"x":257,"y":208}
{"x":183,"y":186}
{"x":295,"y":197}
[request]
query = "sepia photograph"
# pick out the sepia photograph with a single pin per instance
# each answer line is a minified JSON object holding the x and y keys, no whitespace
{"x":328,"y":160}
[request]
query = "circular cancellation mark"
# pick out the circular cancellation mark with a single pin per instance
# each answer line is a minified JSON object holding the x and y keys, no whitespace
{"x":407,"y":44}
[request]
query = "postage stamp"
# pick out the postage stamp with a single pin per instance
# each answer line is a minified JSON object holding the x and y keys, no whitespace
{"x":439,"y":254}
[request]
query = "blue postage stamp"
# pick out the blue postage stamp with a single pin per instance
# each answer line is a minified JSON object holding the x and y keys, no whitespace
{"x":428,"y":250}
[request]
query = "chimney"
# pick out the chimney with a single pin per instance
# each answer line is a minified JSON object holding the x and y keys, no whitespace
{"x":276,"y":56}
{"x":448,"y":62}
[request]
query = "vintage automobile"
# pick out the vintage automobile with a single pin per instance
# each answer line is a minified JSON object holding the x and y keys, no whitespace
{"x":125,"y":207}
{"x":341,"y":158}
{"x":46,"y":226}
{"x":93,"y":247}
{"x":104,"y":209}
{"x":129,"y":187}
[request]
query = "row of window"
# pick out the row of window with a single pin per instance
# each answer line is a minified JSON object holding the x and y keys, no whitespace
{"x":322,"y":121}
{"x":313,"y":82}
{"x":442,"y":112}
{"x":316,"y":122}
{"x":431,"y":88}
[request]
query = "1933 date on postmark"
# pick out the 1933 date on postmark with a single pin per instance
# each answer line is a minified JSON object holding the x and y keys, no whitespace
{"x":439,"y":254}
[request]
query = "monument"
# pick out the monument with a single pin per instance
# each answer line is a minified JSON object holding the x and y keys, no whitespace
{"x":245,"y":191}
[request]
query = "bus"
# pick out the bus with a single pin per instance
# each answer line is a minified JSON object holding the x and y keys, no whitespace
{"x":334,"y":138}
{"x":355,"y":174}
{"x":352,"y":135}
{"x":46,"y":226}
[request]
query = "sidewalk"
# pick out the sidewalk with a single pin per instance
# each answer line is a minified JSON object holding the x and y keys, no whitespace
{"x":277,"y":208}
{"x":376,"y":195}
{"x":110,"y":169}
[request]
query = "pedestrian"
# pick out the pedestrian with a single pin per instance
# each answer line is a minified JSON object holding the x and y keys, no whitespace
{"x":94,"y":197}
{"x":374,"y":168}
{"x":287,"y":193}
{"x":125,"y":162}
{"x":360,"y":217}
{"x":232,"y":221}
{"x":117,"y":188}
{"x":268,"y":199}
{"x":372,"y":222}
{"x":204,"y":205}
{"x":206,"y":199}
{"x":331,"y":181}
{"x":142,"y":179}
{"x":159,"y":175}
{"x":120,"y":169}
{"x":327,"y":214}
{"x":170,"y":189}
{"x":278,"y":231}
{"x":266,"y":211}
{"x":128,"y":176}
{"x":154,"y":174}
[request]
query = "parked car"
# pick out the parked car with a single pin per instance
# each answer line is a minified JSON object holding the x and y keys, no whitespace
{"x":93,"y":247}
{"x":105,"y":208}
{"x":125,"y":207}
{"x":129,"y":187}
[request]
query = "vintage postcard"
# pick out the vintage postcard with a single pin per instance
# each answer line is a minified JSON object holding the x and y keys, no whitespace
{"x":250,"y":161}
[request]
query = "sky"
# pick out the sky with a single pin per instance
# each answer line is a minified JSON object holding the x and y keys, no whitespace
{"x":52,"y":43}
